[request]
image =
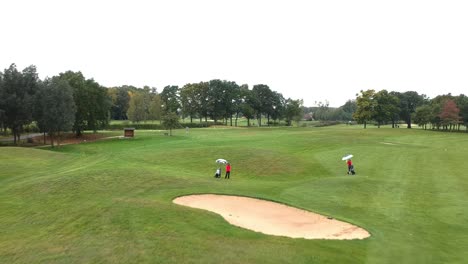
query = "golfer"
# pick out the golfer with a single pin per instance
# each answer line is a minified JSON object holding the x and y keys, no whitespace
{"x":350,"y":167}
{"x":228,"y":171}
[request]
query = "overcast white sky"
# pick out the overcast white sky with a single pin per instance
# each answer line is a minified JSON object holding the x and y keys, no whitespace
{"x":310,"y":50}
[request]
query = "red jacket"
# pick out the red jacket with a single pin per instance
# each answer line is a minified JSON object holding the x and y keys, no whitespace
{"x":228,"y":168}
{"x":349,"y":163}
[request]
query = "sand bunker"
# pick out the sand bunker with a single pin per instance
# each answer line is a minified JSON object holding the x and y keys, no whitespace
{"x":273,"y":218}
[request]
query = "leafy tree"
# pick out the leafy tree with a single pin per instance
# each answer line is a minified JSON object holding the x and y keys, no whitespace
{"x":239,"y":100}
{"x":188,"y":100}
{"x":437,"y":105}
{"x":155,"y":110}
{"x":120,"y":102}
{"x":17,"y":98}
{"x":278,"y":104}
{"x":248,"y":105}
{"x":170,"y":99}
{"x":56,"y":109}
{"x":409,"y":101}
{"x":293,"y":110}
{"x":202,"y":91}
{"x":136,"y":111}
{"x":77,"y":81}
{"x":99,"y":104}
{"x":231,"y":94}
{"x":385,"y":106}
{"x":263,"y":102}
{"x":365,"y":107}
{"x":423,"y":115}
{"x":170,"y":121}
{"x":216,"y":100}
{"x":450,"y":114}
{"x":462,"y":103}
{"x":92,"y":102}
{"x":348,"y":109}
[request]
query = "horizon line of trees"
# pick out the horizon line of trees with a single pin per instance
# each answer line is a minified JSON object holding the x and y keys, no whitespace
{"x":218,"y":100}
{"x":70,"y":102}
{"x":444,"y":112}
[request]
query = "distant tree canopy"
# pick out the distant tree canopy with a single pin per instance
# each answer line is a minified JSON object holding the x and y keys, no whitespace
{"x":57,"y":104}
{"x":220,"y":100}
{"x":69,"y":101}
{"x":445,"y":112}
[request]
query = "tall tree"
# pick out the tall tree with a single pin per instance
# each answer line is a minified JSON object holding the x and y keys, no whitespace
{"x":216,"y":100}
{"x":462,"y":102}
{"x":99,"y":104}
{"x":155,"y":110}
{"x":230,"y":97}
{"x":423,"y":115}
{"x":91,"y":100}
{"x":263,"y":104}
{"x":409,"y":101}
{"x":170,"y":99}
{"x":188,"y":100}
{"x":17,"y":98}
{"x":202,"y":91}
{"x":450,"y":115}
{"x":365,"y":107}
{"x":239,"y":100}
{"x":120,"y":102}
{"x":386,"y":105}
{"x":250,"y":101}
{"x":56,"y":109}
{"x":278,"y":104}
{"x":137,"y":111}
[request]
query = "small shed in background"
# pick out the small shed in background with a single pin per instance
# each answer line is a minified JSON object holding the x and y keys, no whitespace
{"x":129,"y":132}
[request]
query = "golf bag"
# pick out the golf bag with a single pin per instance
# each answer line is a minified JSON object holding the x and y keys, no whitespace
{"x":218,"y":173}
{"x":351,"y":170}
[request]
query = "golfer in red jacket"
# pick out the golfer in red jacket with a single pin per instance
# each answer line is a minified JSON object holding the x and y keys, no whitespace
{"x":228,"y":171}
{"x":350,"y":167}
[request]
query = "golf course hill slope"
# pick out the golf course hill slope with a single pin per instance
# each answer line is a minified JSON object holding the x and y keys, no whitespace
{"x":273,"y":218}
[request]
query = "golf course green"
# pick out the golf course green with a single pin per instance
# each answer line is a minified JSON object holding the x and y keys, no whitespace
{"x":110,"y":201}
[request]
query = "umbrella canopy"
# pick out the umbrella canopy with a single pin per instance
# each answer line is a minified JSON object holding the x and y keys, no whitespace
{"x":221,"y":161}
{"x":347,"y":157}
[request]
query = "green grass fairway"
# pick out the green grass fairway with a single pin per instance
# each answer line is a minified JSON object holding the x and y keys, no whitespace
{"x":111,"y":201}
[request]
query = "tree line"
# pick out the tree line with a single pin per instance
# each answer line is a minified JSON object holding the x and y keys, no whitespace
{"x":444,"y":112}
{"x":60,"y":103}
{"x":218,"y":100}
{"x":71,"y":102}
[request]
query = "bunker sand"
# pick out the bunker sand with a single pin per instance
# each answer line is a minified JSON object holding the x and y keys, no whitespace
{"x":273,"y":218}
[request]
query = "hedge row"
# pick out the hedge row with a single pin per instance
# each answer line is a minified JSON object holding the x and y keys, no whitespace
{"x":153,"y":126}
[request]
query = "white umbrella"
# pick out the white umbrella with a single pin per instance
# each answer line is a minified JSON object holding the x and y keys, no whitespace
{"x":347,"y":157}
{"x":221,"y":161}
